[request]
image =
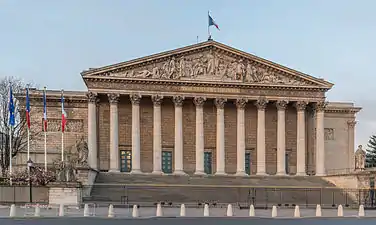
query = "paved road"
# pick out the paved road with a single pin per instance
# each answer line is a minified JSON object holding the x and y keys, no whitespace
{"x":186,"y":221}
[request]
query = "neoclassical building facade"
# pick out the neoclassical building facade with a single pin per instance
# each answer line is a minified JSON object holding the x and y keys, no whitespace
{"x":202,"y":109}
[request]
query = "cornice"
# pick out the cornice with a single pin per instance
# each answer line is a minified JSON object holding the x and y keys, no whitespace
{"x":342,"y":110}
{"x":201,"y":83}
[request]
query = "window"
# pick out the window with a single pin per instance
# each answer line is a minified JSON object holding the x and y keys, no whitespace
{"x":125,"y":161}
{"x":247,"y":163}
{"x":208,"y":162}
{"x":287,"y":157}
{"x":167,"y":161}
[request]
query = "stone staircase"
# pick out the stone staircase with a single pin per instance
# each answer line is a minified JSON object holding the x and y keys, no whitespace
{"x":260,"y":191}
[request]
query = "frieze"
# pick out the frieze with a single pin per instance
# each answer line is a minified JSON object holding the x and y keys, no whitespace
{"x":211,"y":65}
{"x":72,"y":125}
{"x":159,"y":88}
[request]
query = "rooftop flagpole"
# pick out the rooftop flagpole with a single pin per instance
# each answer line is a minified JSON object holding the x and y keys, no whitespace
{"x":209,"y":35}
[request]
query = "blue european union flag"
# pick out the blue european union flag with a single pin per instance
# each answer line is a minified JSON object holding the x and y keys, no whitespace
{"x":12,"y":120}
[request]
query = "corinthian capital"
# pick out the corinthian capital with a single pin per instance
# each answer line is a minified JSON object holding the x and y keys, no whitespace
{"x":240,"y":103}
{"x":113,"y":98}
{"x":178,"y":100}
{"x":157,"y":100}
{"x":220,"y":102}
{"x":261,"y":103}
{"x":199,"y":101}
{"x":135,"y":99}
{"x":351,"y":123}
{"x":282,"y":104}
{"x":320,"y":106}
{"x":92,"y":97}
{"x":300,"y":105}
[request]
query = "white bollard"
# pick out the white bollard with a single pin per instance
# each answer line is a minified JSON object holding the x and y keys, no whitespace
{"x":274,"y":211}
{"x":251,"y":210}
{"x":297,"y":211}
{"x":111,"y":211}
{"x":37,"y":211}
{"x":61,"y":210}
{"x":318,"y":210}
{"x":12,"y":212}
{"x":86,"y":210}
{"x":340,"y":210}
{"x":182,"y":210}
{"x":361,"y":211}
{"x":135,"y":211}
{"x":229,"y":210}
{"x":206,"y":210}
{"x":159,"y":210}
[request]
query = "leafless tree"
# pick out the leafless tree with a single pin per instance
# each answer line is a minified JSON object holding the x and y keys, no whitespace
{"x":19,"y":131}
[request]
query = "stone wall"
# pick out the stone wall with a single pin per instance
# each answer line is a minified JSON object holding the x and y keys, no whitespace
{"x":21,"y":194}
{"x":69,"y":196}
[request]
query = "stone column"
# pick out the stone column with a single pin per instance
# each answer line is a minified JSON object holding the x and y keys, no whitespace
{"x":320,"y":144}
{"x":92,"y":130}
{"x":220,"y":104}
{"x":178,"y":153}
{"x":240,"y":137}
{"x":114,"y":133}
{"x":261,"y":105}
{"x":157,"y":138}
{"x":300,"y":139}
{"x":136,"y":146}
{"x":281,"y":137}
{"x":351,"y":144}
{"x":199,"y":102}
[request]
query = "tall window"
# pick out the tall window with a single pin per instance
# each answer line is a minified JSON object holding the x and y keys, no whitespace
{"x":167,"y":161}
{"x":208,"y":162}
{"x":247,"y":163}
{"x":125,"y":161}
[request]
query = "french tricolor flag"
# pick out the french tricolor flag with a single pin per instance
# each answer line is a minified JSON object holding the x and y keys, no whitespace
{"x":27,"y":109}
{"x":63,"y":113}
{"x":212,"y":22}
{"x":44,"y":110}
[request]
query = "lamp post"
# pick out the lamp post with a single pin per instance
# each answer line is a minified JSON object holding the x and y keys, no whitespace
{"x":29,"y":166}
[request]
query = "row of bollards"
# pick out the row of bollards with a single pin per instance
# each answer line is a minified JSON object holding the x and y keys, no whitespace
{"x":159,"y":211}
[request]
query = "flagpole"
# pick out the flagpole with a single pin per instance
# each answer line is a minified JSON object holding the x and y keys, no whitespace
{"x":28,"y":130}
{"x":62,"y":126}
{"x":209,"y":36}
{"x":10,"y":155}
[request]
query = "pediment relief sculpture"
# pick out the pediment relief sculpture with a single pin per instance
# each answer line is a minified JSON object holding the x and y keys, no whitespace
{"x":212,"y":65}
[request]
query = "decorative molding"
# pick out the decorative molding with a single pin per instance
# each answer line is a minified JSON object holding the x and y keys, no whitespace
{"x":220,"y":102}
{"x":199,"y":101}
{"x":261,"y":103}
{"x":135,"y":98}
{"x":178,"y":100}
{"x":241,"y":103}
{"x":113,"y":98}
{"x":157,"y":100}
{"x":282,"y":104}
{"x":329,"y":134}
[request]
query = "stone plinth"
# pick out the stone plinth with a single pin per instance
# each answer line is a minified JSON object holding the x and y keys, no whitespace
{"x":65,"y":193}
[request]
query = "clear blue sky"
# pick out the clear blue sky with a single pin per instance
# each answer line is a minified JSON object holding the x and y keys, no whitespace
{"x":51,"y":42}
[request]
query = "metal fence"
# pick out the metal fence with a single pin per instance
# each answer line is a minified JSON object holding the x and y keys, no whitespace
{"x":243,"y":196}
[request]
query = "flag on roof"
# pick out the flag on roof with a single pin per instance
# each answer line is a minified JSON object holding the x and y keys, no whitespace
{"x":212,"y":22}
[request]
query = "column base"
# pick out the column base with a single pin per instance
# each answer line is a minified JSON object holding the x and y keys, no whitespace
{"x":179,"y":173}
{"x":261,"y":174}
{"x":113,"y":171}
{"x":200,"y":173}
{"x":241,"y":174}
{"x":320,"y":174}
{"x":301,"y":174}
{"x":281,"y":174}
{"x":220,"y":173}
{"x":157,"y":172}
{"x":135,"y":171}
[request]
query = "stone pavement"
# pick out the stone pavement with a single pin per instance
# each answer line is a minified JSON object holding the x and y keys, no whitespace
{"x":174,"y":212}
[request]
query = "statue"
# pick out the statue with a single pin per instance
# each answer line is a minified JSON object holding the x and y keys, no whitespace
{"x":360,"y":158}
{"x":83,"y":151}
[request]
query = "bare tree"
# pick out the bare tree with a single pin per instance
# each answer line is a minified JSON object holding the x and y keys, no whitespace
{"x":19,"y":131}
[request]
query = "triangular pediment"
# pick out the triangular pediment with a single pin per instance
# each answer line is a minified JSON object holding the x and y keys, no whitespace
{"x":208,"y":61}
